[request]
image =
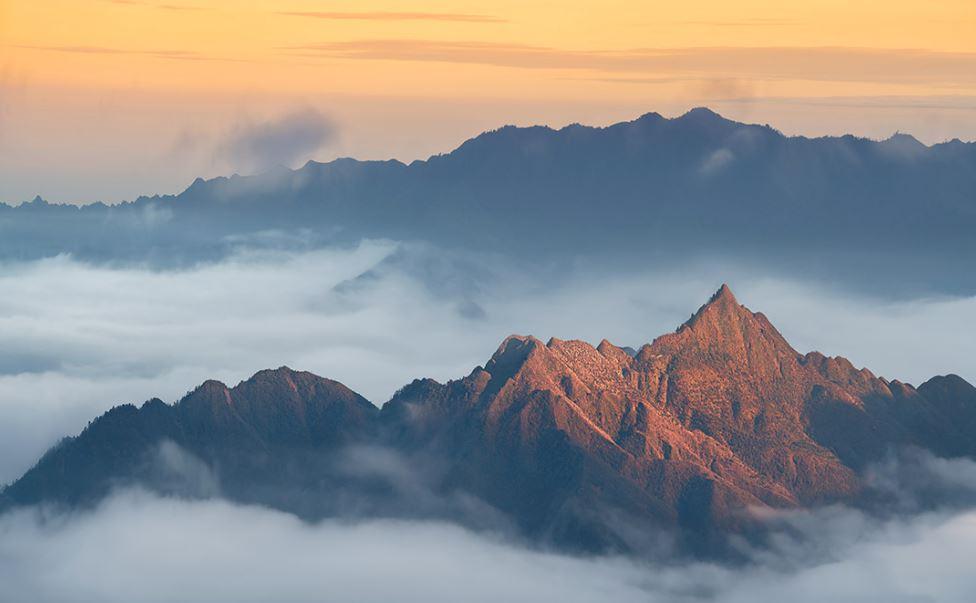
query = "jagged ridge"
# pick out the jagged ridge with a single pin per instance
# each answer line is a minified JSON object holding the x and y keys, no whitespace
{"x":570,"y":441}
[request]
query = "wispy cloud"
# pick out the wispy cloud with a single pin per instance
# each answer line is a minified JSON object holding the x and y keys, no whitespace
{"x":178,"y":7}
{"x":941,"y":102}
{"x":170,"y":54}
{"x":804,"y":63}
{"x":156,"y":5}
{"x":473,"y":52}
{"x":280,"y":141}
{"x":702,"y":85}
{"x":395,"y":16}
{"x":753,"y":22}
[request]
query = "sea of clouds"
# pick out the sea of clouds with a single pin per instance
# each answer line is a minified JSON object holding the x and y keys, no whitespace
{"x":140,"y":547}
{"x":80,"y":338}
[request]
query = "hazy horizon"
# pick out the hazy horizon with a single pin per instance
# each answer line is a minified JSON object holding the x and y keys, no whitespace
{"x":275,"y":138}
{"x":127,"y":98}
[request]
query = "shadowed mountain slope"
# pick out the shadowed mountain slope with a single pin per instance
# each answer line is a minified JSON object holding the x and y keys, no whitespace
{"x":268,"y":439}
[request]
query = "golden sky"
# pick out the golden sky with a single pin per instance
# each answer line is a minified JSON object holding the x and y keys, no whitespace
{"x":119,"y":97}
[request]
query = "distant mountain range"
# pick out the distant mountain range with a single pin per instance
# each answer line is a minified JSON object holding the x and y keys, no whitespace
{"x":565,"y":444}
{"x":888,"y":215}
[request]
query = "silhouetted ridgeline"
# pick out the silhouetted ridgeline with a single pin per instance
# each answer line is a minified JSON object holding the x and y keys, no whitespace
{"x":895,"y":212}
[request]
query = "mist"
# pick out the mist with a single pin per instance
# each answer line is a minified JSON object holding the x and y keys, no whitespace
{"x":281,"y":141}
{"x":80,"y":338}
{"x":134,"y":544}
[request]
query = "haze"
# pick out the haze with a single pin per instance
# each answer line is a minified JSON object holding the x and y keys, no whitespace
{"x":106,"y":100}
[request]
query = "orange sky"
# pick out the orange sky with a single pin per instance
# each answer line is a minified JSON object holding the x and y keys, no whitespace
{"x":104,"y":99}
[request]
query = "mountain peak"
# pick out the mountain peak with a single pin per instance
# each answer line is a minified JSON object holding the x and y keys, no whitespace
{"x":722,"y":303}
{"x":702,"y":114}
{"x":901,"y":138}
{"x":723,"y":326}
{"x":514,"y":350}
{"x":904,"y":146}
{"x":650,"y":117}
{"x":271,"y":374}
{"x":724,"y":292}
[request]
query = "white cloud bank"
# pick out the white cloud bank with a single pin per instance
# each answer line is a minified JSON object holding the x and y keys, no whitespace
{"x":137,"y":547}
{"x":78,"y":339}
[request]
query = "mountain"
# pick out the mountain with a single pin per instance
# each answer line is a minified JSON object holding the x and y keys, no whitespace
{"x":651,"y":190}
{"x":269,"y":439}
{"x":581,"y":447}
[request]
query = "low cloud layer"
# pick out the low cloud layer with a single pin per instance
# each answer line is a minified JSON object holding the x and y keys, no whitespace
{"x":151,"y":549}
{"x":79,"y":339}
{"x":139,"y":547}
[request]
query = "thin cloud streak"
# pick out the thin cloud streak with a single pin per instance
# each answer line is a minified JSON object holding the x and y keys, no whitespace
{"x":800,"y":63}
{"x":179,"y":55}
{"x":755,"y":22}
{"x":159,"y":6}
{"x":395,"y":16}
{"x":940,"y":102}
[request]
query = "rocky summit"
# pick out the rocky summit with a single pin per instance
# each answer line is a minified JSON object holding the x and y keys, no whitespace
{"x":584,"y":448}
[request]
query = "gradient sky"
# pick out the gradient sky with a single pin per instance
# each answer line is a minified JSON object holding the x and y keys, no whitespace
{"x":107,"y":99}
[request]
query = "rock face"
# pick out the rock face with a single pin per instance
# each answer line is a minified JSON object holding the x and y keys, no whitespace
{"x":701,"y":424}
{"x":586,"y":447}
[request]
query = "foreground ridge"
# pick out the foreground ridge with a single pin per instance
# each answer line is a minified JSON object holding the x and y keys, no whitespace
{"x":582,"y":447}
